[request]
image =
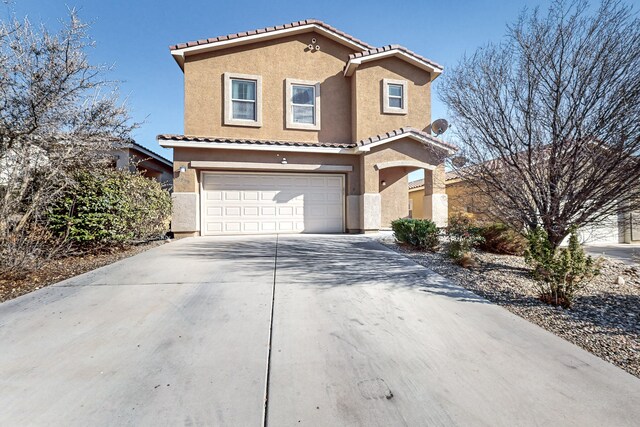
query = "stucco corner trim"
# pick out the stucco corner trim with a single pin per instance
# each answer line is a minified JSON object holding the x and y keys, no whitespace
{"x":185,"y":212}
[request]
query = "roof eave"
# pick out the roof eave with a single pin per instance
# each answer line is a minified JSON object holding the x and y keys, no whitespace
{"x":368,"y":147}
{"x":172,"y":143}
{"x":179,"y":54}
{"x":354,"y":63}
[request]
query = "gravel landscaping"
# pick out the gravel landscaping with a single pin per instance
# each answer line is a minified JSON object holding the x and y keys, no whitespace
{"x":604,"y":320}
{"x":56,"y":270}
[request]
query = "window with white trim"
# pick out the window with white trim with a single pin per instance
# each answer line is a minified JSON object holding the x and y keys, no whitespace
{"x":302,"y":104}
{"x":395,"y":96}
{"x":303,"y":99}
{"x":242,"y":100}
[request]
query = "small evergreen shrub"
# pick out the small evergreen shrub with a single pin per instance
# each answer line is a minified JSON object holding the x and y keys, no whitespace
{"x":501,"y":239}
{"x":420,"y":233}
{"x":111,"y":206}
{"x":559,"y":274}
{"x":463,"y":236}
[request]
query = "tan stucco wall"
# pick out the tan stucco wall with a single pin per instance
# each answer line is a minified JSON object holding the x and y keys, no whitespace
{"x":275,"y":61}
{"x":466,"y":199}
{"x":403,"y":149}
{"x":394,"y":198}
{"x":188,"y":181}
{"x":368,"y":98}
{"x":462,"y":199}
{"x":417,"y":198}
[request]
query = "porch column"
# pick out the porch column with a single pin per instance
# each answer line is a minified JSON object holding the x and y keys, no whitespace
{"x":371,"y":202}
{"x":436,"y":205}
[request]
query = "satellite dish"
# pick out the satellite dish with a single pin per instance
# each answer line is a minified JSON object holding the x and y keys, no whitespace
{"x":459,"y":161}
{"x":439,"y":127}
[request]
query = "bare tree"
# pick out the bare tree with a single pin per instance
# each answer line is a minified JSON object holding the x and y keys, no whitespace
{"x":549,"y":119}
{"x":58,"y":113}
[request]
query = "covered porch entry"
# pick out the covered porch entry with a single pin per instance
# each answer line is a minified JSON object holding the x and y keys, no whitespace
{"x":385,"y":168}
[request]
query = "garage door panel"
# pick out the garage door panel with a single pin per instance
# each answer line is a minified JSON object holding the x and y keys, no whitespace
{"x":267,"y":203}
{"x":251,"y":227}
{"x":251,"y":211}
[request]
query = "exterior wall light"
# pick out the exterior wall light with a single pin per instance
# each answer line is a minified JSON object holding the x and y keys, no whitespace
{"x":182,"y":169}
{"x":384,"y":183}
{"x":284,"y":161}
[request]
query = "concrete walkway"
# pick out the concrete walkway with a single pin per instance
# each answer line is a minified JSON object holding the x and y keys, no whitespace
{"x":179,"y":335}
{"x":626,"y":253}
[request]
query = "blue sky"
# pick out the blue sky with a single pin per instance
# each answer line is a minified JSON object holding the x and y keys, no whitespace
{"x":134,"y":35}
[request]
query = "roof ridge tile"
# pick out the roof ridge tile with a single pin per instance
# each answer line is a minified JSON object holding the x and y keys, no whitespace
{"x":309,"y":21}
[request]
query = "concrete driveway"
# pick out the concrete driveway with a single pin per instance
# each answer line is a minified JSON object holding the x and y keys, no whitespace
{"x":628,"y":254}
{"x":184,"y":334}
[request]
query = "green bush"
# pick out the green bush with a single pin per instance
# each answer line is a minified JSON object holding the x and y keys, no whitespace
{"x":501,"y":239}
{"x":421,"y":233}
{"x":111,"y":206}
{"x":463,"y":236}
{"x":560,"y":273}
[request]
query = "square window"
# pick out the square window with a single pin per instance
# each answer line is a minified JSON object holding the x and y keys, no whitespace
{"x":303,"y":95}
{"x":302,"y":114}
{"x":394,"y":96}
{"x":395,"y":90}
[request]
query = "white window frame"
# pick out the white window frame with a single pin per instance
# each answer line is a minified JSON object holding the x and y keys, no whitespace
{"x":290,"y":124}
{"x":388,"y":109}
{"x":228,"y":102}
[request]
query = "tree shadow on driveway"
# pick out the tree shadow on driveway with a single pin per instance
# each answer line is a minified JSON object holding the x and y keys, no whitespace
{"x":329,"y":262}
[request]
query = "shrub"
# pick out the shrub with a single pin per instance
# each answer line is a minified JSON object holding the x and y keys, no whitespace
{"x":463,"y":236}
{"x":501,"y":239}
{"x":421,"y":233}
{"x":111,"y":206}
{"x":560,"y":273}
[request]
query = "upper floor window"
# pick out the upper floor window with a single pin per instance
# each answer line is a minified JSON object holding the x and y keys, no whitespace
{"x":243,"y":99}
{"x":302,"y":104}
{"x":394,"y":96}
{"x":242,"y":103}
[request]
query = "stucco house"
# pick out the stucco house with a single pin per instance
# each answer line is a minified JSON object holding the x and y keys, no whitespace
{"x":464,"y":199}
{"x":302,"y":128}
{"x":131,"y":155}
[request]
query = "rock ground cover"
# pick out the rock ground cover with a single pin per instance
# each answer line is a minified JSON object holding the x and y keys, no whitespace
{"x":58,"y":269}
{"x":605,"y":317}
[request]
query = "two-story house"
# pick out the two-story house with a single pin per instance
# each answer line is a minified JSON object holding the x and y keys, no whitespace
{"x":302,"y":128}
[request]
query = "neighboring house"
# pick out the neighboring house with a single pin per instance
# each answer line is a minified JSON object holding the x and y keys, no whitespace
{"x":465,"y":199}
{"x":133,"y":156}
{"x":302,"y":128}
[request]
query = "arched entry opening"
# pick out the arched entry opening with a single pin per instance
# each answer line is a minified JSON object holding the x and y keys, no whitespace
{"x":393,"y":186}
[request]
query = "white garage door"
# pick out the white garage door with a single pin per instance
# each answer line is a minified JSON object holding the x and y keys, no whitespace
{"x":236,"y":203}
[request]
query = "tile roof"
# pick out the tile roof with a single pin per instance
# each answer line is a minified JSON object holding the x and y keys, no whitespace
{"x":390,"y":47}
{"x":190,"y":138}
{"x":363,"y":142}
{"x":270,"y":29}
{"x":420,"y":182}
{"x":416,"y":184}
{"x":403,"y":131}
{"x":131,"y":143}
